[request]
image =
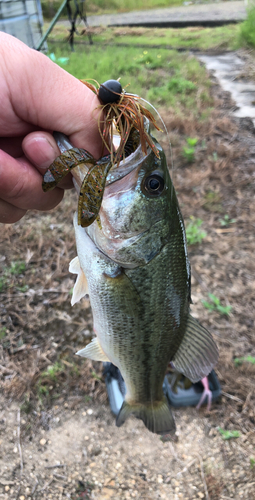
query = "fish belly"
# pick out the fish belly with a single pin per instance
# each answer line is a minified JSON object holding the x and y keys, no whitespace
{"x":141,"y":319}
{"x":128,"y":339}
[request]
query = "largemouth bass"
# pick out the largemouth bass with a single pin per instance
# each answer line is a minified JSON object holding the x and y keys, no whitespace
{"x":134,"y":265}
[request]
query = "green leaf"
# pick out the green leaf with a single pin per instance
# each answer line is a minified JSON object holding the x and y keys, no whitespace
{"x":181,"y":86}
{"x":192,"y":141}
{"x":63,"y":60}
{"x":16,"y":268}
{"x":229,"y":434}
{"x":208,"y":305}
{"x":247,"y":359}
{"x":224,"y":309}
{"x":214,"y":299}
{"x":193,"y":232}
{"x":226,"y":221}
{"x":23,"y":288}
{"x":215,"y":305}
{"x":52,"y":57}
{"x":189,"y":154}
{"x":3,"y":332}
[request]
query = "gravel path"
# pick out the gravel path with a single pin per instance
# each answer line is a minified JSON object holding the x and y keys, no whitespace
{"x":211,"y":14}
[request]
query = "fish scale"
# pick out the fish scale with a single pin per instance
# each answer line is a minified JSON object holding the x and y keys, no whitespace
{"x":138,"y":279}
{"x":160,"y":325}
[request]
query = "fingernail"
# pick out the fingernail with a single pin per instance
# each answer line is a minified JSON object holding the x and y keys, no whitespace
{"x":41,"y":152}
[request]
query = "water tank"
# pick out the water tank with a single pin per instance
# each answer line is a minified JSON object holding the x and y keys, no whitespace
{"x":22,"y":19}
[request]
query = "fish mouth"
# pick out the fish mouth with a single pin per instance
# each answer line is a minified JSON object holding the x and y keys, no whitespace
{"x":126,"y":166}
{"x":122,"y":232}
{"x":113,"y":236}
{"x":131,"y":162}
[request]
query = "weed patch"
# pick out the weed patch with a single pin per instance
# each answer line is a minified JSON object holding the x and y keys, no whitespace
{"x":222,"y":37}
{"x":247,"y":28}
{"x":244,"y":359}
{"x":15,"y":268}
{"x":215,"y":305}
{"x":3,"y":332}
{"x":213,"y":202}
{"x":194,"y":233}
{"x":188,"y":151}
{"x":13,"y":276}
{"x":226,"y":434}
{"x":50,"y":7}
{"x":52,"y":371}
{"x":226,"y":221}
{"x":182,"y":80}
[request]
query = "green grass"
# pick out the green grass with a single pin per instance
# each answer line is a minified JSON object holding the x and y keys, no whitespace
{"x":215,"y":305}
{"x":219,"y":38}
{"x":50,"y":7}
{"x":188,"y":152}
{"x":163,"y":77}
{"x":194,"y":233}
{"x":195,"y":37}
{"x":226,"y":435}
{"x":247,"y":28}
{"x":49,"y":380}
{"x":16,"y":268}
{"x":52,"y":371}
{"x":2,"y":332}
{"x":226,"y":221}
{"x":129,"y":5}
{"x":12,"y":275}
{"x":212,"y":201}
{"x":244,"y":359}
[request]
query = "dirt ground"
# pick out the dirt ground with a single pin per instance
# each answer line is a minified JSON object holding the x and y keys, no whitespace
{"x":57,"y":435}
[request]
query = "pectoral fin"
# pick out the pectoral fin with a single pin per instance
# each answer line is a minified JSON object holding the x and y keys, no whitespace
{"x":93,"y":351}
{"x":81,"y":286}
{"x":197,"y":353}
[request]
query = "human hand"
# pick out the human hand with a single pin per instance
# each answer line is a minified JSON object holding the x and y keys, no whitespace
{"x":38,"y":97}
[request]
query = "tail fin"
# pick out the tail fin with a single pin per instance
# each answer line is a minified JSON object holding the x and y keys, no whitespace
{"x":156,"y":416}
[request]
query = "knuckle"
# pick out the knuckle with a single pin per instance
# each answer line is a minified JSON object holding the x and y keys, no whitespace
{"x":18,"y":189}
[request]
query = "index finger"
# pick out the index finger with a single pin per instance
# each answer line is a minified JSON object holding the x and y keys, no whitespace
{"x":46,"y":96}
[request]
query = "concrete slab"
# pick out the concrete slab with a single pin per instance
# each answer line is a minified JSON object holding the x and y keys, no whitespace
{"x":210,"y":14}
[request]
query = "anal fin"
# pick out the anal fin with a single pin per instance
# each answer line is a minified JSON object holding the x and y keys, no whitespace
{"x":197,"y":353}
{"x":93,"y":351}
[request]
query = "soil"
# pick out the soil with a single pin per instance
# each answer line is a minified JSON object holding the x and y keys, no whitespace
{"x":57,"y":435}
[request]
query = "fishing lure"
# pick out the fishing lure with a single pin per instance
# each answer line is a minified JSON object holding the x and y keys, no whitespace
{"x":92,"y":188}
{"x":63,"y":164}
{"x":122,"y":112}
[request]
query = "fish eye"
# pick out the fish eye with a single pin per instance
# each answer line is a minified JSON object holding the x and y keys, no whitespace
{"x":153,"y":184}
